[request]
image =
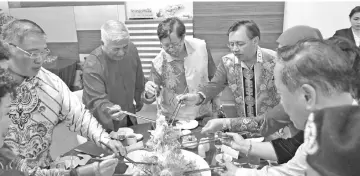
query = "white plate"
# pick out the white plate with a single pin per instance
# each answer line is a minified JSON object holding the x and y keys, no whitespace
{"x":187,"y":125}
{"x":185,"y":132}
{"x":139,"y":154}
{"x":260,"y":139}
{"x":139,"y":136}
{"x":126,"y":130}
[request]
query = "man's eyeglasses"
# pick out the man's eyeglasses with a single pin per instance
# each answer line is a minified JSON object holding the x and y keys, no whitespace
{"x":171,"y":45}
{"x":33,"y":55}
{"x":238,"y":44}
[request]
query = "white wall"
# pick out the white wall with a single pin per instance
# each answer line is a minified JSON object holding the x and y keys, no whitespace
{"x":156,"y":5}
{"x":4,"y":6}
{"x":326,"y":16}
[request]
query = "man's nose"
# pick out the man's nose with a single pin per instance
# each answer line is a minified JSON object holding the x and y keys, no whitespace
{"x":39,"y":60}
{"x":121,"y":53}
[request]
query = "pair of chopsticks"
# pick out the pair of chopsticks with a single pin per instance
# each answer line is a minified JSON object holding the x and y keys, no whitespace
{"x":210,"y":140}
{"x":177,"y":109}
{"x":132,"y":162}
{"x":203,"y":170}
{"x":138,"y":116}
{"x":193,"y":133}
{"x":127,"y":158}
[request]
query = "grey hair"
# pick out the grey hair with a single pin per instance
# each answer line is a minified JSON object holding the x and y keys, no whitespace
{"x":114,"y":30}
{"x":16,"y":30}
{"x":318,"y":63}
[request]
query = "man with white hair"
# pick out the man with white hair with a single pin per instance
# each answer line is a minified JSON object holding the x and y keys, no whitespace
{"x":113,"y":78}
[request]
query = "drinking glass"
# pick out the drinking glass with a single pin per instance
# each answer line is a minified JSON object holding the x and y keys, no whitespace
{"x":217,"y":142}
{"x":254,"y":162}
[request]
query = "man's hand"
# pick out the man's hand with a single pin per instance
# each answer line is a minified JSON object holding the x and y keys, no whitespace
{"x":189,"y":99}
{"x":213,"y":126}
{"x":235,"y":141}
{"x":139,"y":106}
{"x":116,"y":147}
{"x":107,"y":167}
{"x":230,"y":169}
{"x":115,"y":113}
{"x":151,"y":89}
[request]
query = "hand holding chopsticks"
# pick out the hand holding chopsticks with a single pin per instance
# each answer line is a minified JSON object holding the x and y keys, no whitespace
{"x":115,"y":112}
{"x":115,"y":146}
{"x":226,"y":138}
{"x":177,"y":108}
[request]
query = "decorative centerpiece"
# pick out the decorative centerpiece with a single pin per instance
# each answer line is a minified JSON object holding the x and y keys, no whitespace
{"x":141,"y":14}
{"x":166,"y":153}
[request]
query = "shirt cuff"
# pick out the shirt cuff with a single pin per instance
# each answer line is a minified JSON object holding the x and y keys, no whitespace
{"x":148,"y":99}
{"x":203,"y":95}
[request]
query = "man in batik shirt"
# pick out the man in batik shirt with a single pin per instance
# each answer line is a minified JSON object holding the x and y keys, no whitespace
{"x":248,"y":71}
{"x":183,"y":65}
{"x":42,"y":101}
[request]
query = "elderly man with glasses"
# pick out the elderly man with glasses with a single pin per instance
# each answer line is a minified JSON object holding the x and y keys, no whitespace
{"x":183,"y":65}
{"x":42,"y":101}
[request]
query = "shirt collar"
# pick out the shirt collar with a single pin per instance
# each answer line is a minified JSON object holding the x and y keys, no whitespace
{"x":356,"y":38}
{"x":259,"y":58}
{"x":189,"y":49}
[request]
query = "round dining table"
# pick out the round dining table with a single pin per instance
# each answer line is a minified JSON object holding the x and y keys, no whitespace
{"x":91,"y":148}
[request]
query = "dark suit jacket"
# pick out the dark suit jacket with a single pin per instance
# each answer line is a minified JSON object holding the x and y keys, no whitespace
{"x":347,"y":33}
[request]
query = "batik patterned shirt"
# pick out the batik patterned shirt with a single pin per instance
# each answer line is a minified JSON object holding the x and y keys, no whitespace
{"x":253,"y":87}
{"x":42,"y":102}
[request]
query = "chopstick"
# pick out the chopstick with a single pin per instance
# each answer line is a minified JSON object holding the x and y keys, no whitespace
{"x":213,"y":139}
{"x":202,"y":170}
{"x":127,"y":158}
{"x":156,"y":98}
{"x":85,"y":153}
{"x":138,"y":116}
{"x":132,"y":162}
{"x":177,"y":109}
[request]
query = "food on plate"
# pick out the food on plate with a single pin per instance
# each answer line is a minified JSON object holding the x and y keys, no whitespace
{"x":189,"y":141}
{"x":166,"y":148}
{"x":164,"y":138}
{"x":121,"y":133}
{"x":223,"y":158}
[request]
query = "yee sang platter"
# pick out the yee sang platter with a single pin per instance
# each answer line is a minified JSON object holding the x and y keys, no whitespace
{"x":165,"y":150}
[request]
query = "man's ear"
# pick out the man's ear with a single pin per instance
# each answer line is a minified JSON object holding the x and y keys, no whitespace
{"x":309,"y":93}
{"x":183,"y":36}
{"x":255,"y":41}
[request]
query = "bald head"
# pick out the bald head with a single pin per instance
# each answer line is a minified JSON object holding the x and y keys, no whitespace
{"x":113,"y":31}
{"x":294,"y":34}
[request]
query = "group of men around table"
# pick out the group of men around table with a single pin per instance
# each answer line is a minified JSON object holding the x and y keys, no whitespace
{"x":272,"y":90}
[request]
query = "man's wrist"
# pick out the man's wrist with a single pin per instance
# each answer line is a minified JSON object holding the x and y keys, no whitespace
{"x":226,"y":124}
{"x":245,"y":148}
